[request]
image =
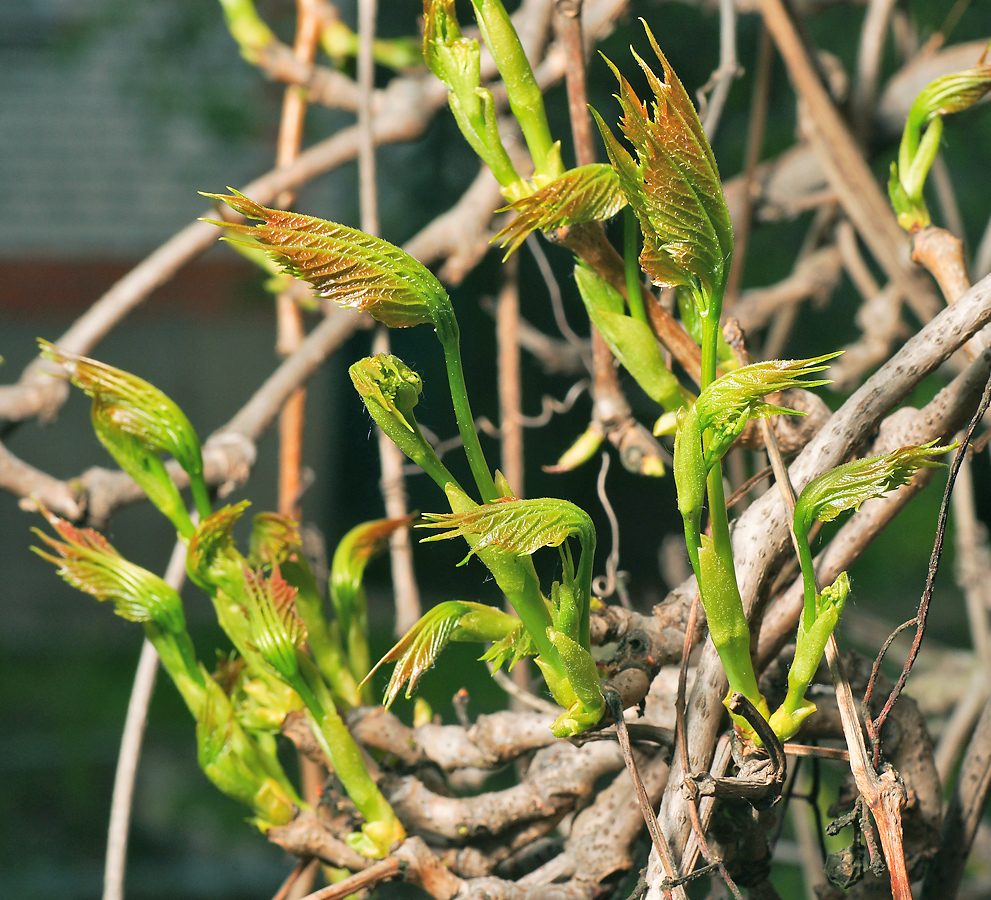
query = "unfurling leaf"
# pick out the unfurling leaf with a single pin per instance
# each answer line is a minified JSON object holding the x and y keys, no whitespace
{"x":510,"y":650}
{"x":213,"y":560}
{"x":731,"y":401}
{"x":586,"y":194}
{"x":453,"y":620}
{"x":921,"y":137}
{"x":518,"y":527}
{"x":87,"y":561}
{"x":390,"y":390}
{"x":673,"y":185}
{"x":849,"y":485}
{"x":274,"y":538}
{"x":389,"y":387}
{"x":347,"y":266}
{"x":276,"y":629}
{"x":356,"y":548}
{"x":136,"y":422}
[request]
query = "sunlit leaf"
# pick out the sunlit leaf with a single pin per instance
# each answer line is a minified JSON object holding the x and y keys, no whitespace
{"x":519,"y":527}
{"x":87,"y":561}
{"x":731,"y":401}
{"x":345,"y":265}
{"x":849,"y":485}
{"x":673,"y":184}
{"x":453,"y":620}
{"x":586,"y":194}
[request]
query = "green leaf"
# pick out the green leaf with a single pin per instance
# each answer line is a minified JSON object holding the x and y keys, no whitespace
{"x":212,"y":559}
{"x":274,"y":538}
{"x":275,"y":628}
{"x":87,"y":561}
{"x":630,"y":340}
{"x":508,"y":651}
{"x":731,"y":401}
{"x":586,"y":194}
{"x":518,"y":527}
{"x":673,"y":185}
{"x":453,"y":620}
{"x":849,"y":485}
{"x":136,"y":422}
{"x":345,"y":265}
{"x":361,"y":544}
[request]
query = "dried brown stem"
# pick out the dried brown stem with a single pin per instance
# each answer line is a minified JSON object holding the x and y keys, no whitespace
{"x":848,"y":173}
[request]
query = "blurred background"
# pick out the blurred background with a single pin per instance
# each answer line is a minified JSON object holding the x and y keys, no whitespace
{"x":112,"y":116}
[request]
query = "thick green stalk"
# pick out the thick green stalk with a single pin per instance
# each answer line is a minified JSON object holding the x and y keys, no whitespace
{"x":201,"y":496}
{"x":522,"y":90}
{"x":179,"y":659}
{"x":631,"y":261}
{"x":808,"y":579}
{"x":344,"y":753}
{"x":450,"y":337}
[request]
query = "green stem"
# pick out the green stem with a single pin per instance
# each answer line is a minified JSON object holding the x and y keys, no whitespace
{"x":345,"y":755}
{"x":631,"y":262}
{"x":449,"y":336}
{"x":522,"y":90}
{"x":808,"y":579}
{"x":201,"y":495}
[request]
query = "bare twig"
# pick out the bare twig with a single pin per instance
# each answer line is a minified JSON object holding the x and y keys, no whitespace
{"x":884,"y":794}
{"x":967,"y":806}
{"x":711,"y":107}
{"x":510,"y":379}
{"x":615,"y":707}
{"x":756,"y":131}
{"x":848,"y":173}
{"x":873,"y":34}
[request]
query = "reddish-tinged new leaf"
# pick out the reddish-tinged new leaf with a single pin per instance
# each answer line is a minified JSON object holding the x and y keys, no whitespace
{"x":88,"y":562}
{"x":586,"y":194}
{"x":347,"y":266}
{"x":673,"y":184}
{"x":274,"y":538}
{"x":276,"y":628}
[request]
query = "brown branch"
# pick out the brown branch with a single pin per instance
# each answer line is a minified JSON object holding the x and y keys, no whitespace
{"x":559,"y":776}
{"x":760,"y":537}
{"x":963,"y":816}
{"x":491,"y":742}
{"x":848,"y":174}
{"x":884,"y":794}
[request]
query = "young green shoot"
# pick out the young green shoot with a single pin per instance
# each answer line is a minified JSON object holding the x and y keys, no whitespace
{"x":921,"y":137}
{"x":277,"y":634}
{"x":347,"y":591}
{"x":824,"y":498}
{"x":359,"y":271}
{"x":136,"y":422}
